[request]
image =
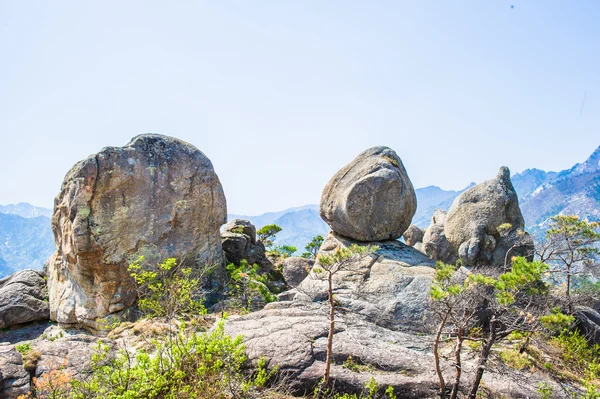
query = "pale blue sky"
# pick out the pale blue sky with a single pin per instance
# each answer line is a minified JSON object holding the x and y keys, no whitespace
{"x":281,"y":94}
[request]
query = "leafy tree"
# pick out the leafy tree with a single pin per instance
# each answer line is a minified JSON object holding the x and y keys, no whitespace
{"x":312,"y":248}
{"x":511,"y":302}
{"x":285,"y":250}
{"x":571,"y":248}
{"x":327,"y":267}
{"x":267,"y":234}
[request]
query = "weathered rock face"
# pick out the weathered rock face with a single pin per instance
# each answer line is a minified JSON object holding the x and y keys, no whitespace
{"x":239,"y":242}
{"x":295,"y":270}
{"x":389,"y":287}
{"x":23,"y":298}
{"x":371,"y":198}
{"x":473,"y":220}
{"x":14,"y":379}
{"x":413,"y":235}
{"x":296,"y":341}
{"x":73,"y":353}
{"x":588,"y":322}
{"x":435,"y":243}
{"x":157,"y":196}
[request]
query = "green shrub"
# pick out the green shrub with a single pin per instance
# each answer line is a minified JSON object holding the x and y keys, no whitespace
{"x":194,"y":365}
{"x":246,"y":282}
{"x":23,"y":348}
{"x":167,"y":290}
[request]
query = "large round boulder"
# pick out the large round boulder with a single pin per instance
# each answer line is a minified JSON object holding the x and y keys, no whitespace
{"x":371,"y":198}
{"x":156,"y":197}
{"x":485,"y":222}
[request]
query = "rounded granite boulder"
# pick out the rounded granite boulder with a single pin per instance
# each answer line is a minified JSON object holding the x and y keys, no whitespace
{"x":371,"y":198}
{"x":157,"y":196}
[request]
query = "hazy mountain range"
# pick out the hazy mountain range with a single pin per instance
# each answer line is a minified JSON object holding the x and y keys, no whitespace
{"x":26,"y":239}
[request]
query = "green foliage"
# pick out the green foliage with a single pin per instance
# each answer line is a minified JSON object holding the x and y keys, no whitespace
{"x":262,"y":374}
{"x":545,"y":390}
{"x":556,"y":321}
{"x":23,"y":348}
{"x":524,"y":277}
{"x":352,"y":365}
{"x":238,"y":230}
{"x":267,"y":235}
{"x":576,"y":232}
{"x":582,"y":359}
{"x":285,"y":250}
{"x":245,"y":282}
{"x":515,"y":360}
{"x":312,"y":248}
{"x":168,"y":290}
{"x":204,"y":365}
{"x":572,"y":248}
{"x":341,"y":255}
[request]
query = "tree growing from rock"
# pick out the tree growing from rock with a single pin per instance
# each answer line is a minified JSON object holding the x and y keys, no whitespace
{"x":267,"y":234}
{"x":312,"y":248}
{"x":571,"y":249}
{"x":512,"y":302}
{"x":328,"y":266}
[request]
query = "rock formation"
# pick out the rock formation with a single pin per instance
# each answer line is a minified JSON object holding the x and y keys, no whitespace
{"x":389,"y":287}
{"x":23,"y":298}
{"x":413,"y":235}
{"x":435,"y":243}
{"x":473,"y":221}
{"x":239,"y":242}
{"x":158,"y":197}
{"x":295,"y":270}
{"x":14,"y":379}
{"x":371,"y":198}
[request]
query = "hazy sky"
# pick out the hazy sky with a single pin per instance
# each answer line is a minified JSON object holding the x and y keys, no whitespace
{"x":281,"y":94}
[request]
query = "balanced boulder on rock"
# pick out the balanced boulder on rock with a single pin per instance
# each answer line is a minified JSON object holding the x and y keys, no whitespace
{"x":371,"y":198}
{"x":157,"y":197}
{"x":485,"y":222}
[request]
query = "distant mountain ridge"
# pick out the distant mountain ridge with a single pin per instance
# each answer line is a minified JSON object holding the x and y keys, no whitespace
{"x":25,"y":243}
{"x":25,"y":210}
{"x":575,"y":191}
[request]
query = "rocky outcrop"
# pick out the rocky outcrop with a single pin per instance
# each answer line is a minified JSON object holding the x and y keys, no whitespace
{"x":371,"y":198}
{"x":473,"y":221}
{"x":14,"y":379}
{"x":588,"y":322}
{"x":389,"y":287}
{"x":435,"y":243}
{"x":239,"y":242}
{"x":23,"y":298}
{"x":413,"y":235}
{"x":158,"y":197}
{"x":296,"y":341}
{"x":295,"y":270}
{"x":71,"y":353}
